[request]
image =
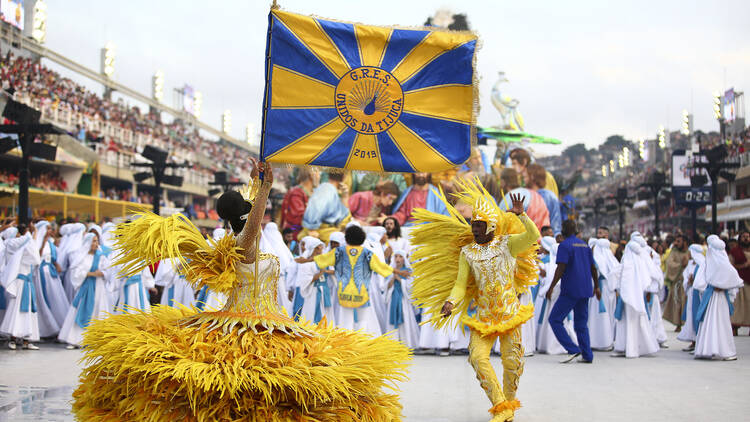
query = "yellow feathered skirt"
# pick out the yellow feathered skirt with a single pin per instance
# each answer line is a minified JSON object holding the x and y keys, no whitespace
{"x":159,"y":367}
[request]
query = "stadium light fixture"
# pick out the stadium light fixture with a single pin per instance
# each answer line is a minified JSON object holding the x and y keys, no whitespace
{"x":157,"y":86}
{"x":39,"y":24}
{"x":717,"y":106}
{"x":197,"y":104}
{"x":141,"y":176}
{"x":226,"y":121}
{"x":604,"y":170}
{"x":611,"y":166}
{"x":108,"y":60}
{"x":687,"y":123}
{"x":642,"y":149}
{"x":662,"y":137}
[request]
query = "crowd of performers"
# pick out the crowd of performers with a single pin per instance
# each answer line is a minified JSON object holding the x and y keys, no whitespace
{"x":56,"y":279}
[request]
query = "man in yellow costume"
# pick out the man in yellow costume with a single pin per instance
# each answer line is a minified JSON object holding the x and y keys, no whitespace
{"x":493,"y":263}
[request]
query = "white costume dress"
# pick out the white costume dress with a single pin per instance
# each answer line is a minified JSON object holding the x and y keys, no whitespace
{"x":697,"y":261}
{"x":317,"y":293}
{"x":653,"y":306}
{"x":21,"y":316}
{"x":131,"y":294}
{"x":377,"y":282}
{"x":176,"y":289}
{"x":601,"y":311}
{"x":51,"y":285}
{"x":634,"y":336}
{"x":719,"y":282}
{"x":70,"y":245}
{"x":92,"y":296}
{"x":401,"y":323}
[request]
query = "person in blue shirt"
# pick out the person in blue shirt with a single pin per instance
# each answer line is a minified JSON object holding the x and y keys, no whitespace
{"x":575,"y":267}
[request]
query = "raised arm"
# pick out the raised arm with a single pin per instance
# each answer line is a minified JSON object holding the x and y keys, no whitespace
{"x":247,"y":238}
{"x":520,"y":242}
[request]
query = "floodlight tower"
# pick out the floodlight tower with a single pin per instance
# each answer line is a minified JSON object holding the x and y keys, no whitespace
{"x":158,"y":165}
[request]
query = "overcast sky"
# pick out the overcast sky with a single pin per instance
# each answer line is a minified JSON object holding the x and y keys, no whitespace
{"x":582,"y":70}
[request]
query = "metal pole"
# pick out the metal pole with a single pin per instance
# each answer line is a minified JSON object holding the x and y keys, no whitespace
{"x":158,"y":173}
{"x":656,"y":190}
{"x":23,"y":180}
{"x":714,"y":192}
{"x":621,"y":218}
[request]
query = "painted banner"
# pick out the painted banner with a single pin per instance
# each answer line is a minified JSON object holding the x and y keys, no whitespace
{"x":364,"y":97}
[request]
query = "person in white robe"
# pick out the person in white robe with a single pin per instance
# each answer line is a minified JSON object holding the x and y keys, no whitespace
{"x":131,"y":293}
{"x":719,"y":283}
{"x":44,"y":285}
{"x":20,"y":320}
{"x":49,"y":276}
{"x":70,"y":245}
{"x":697,"y":261}
{"x":314,"y":287}
{"x":401,"y":323}
{"x":601,"y":311}
{"x":634,"y":336}
{"x":374,"y":242}
{"x":4,"y":235}
{"x":295,"y":295}
{"x":546,"y":342}
{"x":92,"y":291}
{"x":652,"y":261}
{"x":177,"y":291}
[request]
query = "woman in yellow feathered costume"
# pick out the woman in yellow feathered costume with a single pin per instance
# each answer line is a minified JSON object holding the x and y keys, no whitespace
{"x":246,"y":362}
{"x":491,"y":262}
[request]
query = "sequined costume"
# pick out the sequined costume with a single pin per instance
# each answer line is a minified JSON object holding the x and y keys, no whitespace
{"x":484,"y":283}
{"x":247,"y":362}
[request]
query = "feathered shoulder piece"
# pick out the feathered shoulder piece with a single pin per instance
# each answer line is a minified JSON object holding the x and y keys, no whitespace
{"x":149,"y":238}
{"x":436,"y":241}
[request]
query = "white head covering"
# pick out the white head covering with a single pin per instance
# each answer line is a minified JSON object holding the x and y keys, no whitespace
{"x":550,"y":244}
{"x":9,"y":233}
{"x":275,"y":241}
{"x":96,"y":228}
{"x":310,"y":244}
{"x":80,"y":253}
{"x":352,"y":223}
{"x":107,"y":234}
{"x":603,"y":256}
{"x":218,"y":233}
{"x":718,"y":270}
{"x":632,"y":277}
{"x":303,"y":243}
{"x":41,"y":231}
{"x":337,"y":237}
{"x":696,"y":253}
{"x":403,"y":253}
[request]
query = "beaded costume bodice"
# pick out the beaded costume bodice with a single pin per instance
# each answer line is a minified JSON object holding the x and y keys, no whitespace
{"x":493,"y":268}
{"x":256,"y":294}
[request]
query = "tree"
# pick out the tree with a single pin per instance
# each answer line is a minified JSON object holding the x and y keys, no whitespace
{"x":576,"y":150}
{"x":615,"y":142}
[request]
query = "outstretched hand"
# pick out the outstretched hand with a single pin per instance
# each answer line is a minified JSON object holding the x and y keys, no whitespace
{"x":265,"y":168}
{"x":516,"y":201}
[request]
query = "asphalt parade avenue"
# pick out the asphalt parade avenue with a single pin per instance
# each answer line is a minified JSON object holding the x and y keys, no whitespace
{"x":37,"y":386}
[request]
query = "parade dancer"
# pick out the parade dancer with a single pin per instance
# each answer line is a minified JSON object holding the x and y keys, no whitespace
{"x":44,"y":284}
{"x":313,"y":285}
{"x":92,"y":298}
{"x":402,"y":324}
{"x":719,"y":282}
{"x":492,"y":263}
{"x":689,"y":328}
{"x":21,"y":319}
{"x":601,"y":310}
{"x":49,"y":274}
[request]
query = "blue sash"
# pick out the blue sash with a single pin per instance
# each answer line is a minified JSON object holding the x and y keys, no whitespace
{"x":683,"y":318}
{"x":396,"y":312}
{"x":105,"y":250}
{"x":602,"y":308}
{"x":705,"y":299}
{"x":28,"y":297}
{"x":648,"y":304}
{"x":322,"y":294}
{"x":3,"y":305}
{"x":619,"y":306}
{"x":86,"y":296}
{"x":170,"y":295}
{"x":534,"y":291}
{"x":298,"y":303}
{"x":134,"y":280}
{"x":43,"y":279}
{"x":541,"y":313}
{"x":696,"y":306}
{"x":202,"y":297}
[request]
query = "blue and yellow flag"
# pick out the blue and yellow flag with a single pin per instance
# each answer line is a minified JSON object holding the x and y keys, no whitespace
{"x":365,"y":97}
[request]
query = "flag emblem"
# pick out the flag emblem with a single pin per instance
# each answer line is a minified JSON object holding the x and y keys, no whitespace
{"x":364,"y":97}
